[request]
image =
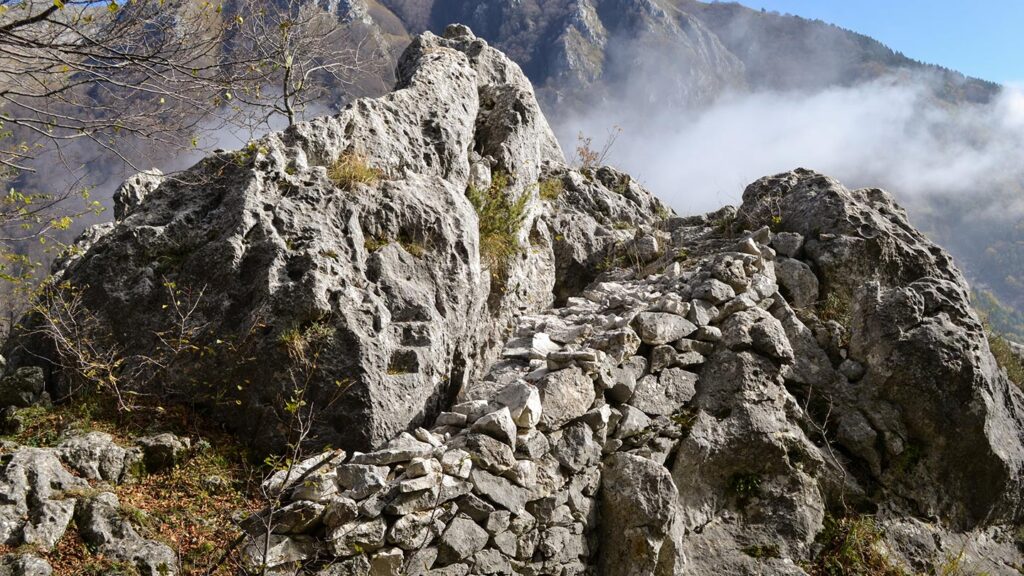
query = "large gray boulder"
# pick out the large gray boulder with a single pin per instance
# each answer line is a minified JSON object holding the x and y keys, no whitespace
{"x":932,"y":420}
{"x":367,"y":295}
{"x":638,"y":499}
{"x":373,"y":298}
{"x":37,"y":505}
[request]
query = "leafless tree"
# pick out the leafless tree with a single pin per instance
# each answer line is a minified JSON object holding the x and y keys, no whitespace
{"x":99,"y":71}
{"x":79,"y":73}
{"x":305,"y":52}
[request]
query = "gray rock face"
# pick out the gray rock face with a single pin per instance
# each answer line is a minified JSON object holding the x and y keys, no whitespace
{"x":578,"y":51}
{"x":936,"y":397}
{"x":461,"y":539}
{"x":102,"y":526}
{"x":130,"y":194}
{"x":681,"y":458}
{"x":97,"y":457}
{"x":646,"y":417}
{"x":24,"y":565}
{"x":43,"y":500}
{"x":23,"y":387}
{"x":163,"y":451}
{"x":639,"y":498}
{"x":797,"y":281}
{"x":35,"y":510}
{"x":565,"y":395}
{"x":366,"y":277}
{"x":661,"y":328}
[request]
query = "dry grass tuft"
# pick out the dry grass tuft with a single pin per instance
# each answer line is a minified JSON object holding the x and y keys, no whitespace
{"x":853,"y":547}
{"x":352,"y":169}
{"x":501,"y":217}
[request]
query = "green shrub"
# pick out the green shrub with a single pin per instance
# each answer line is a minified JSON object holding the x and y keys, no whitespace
{"x":1006,"y":357}
{"x":551,"y":188}
{"x":501,"y":216}
{"x":351,"y":169}
{"x":851,"y":547}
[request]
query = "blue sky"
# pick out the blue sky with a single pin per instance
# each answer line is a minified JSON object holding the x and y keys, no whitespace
{"x":983,"y":38}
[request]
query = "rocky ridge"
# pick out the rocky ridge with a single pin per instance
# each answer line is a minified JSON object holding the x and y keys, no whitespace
{"x":269,"y":256}
{"x":640,"y":394}
{"x":687,"y":420}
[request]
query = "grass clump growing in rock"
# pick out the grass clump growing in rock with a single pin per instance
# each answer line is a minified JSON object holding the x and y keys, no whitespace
{"x":724,"y":225}
{"x":298,"y":342}
{"x":762,"y":551}
{"x":550,"y":189}
{"x":352,"y":169}
{"x":835,"y":307}
{"x":1006,"y":356}
{"x":744,"y":486}
{"x":684,"y":419}
{"x":852,"y":547}
{"x":415,"y":249}
{"x":501,"y":217}
{"x":372,"y":244}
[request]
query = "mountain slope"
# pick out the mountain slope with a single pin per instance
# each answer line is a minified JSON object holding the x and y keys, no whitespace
{"x":787,"y":52}
{"x":577,"y":50}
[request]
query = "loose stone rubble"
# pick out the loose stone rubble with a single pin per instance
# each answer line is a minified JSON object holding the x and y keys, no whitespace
{"x":661,"y":423}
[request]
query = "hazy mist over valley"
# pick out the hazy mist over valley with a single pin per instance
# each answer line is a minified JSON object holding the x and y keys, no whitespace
{"x":890,"y":133}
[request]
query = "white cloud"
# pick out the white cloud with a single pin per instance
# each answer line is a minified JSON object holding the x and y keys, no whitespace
{"x":888,"y":133}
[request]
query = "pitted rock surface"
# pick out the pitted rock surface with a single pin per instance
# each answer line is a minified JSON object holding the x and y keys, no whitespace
{"x":384,"y":280}
{"x":679,"y":449}
{"x":50,"y":491}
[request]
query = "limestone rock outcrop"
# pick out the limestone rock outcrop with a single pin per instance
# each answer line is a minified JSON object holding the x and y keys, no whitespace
{"x":48,"y":492}
{"x":632,"y":392}
{"x":692,"y":421}
{"x":273,"y":273}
